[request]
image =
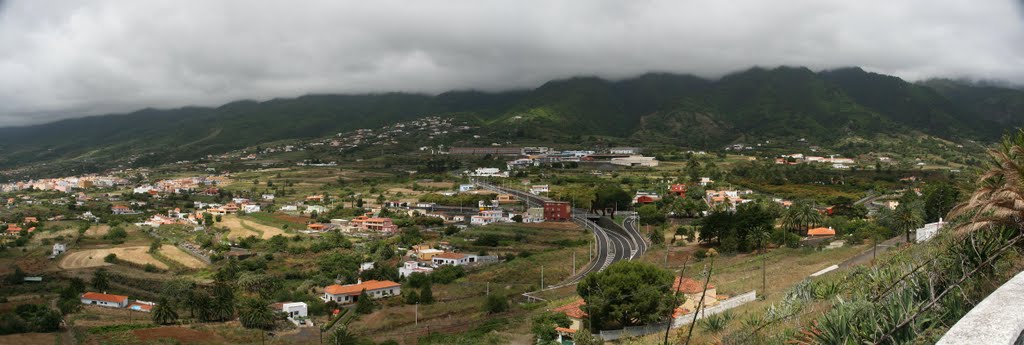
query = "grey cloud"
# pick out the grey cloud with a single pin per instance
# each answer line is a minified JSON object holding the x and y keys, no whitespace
{"x":61,"y":59}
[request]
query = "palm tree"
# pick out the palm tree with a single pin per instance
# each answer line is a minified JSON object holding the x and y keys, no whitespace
{"x":255,"y":313}
{"x":163,"y":312}
{"x":801,"y":217}
{"x":999,"y":199}
{"x":908,"y":217}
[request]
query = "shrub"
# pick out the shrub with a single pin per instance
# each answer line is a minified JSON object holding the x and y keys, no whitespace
{"x":110,"y":258}
{"x":495,"y":304}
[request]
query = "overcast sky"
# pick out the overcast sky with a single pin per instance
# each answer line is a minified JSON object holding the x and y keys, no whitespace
{"x":63,"y":59}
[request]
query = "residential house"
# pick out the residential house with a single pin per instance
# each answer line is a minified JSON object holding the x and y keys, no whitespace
{"x":928,"y":231}
{"x":268,"y":197}
{"x":821,"y":232}
{"x":677,"y":189}
{"x":705,"y":181}
{"x":121,"y":209}
{"x":315,"y":198}
{"x":345,"y":294}
{"x":646,"y":197}
{"x":316,"y":208}
{"x":576,"y":317}
{"x":539,"y":188}
{"x":507,"y":199}
{"x":104,"y":300}
{"x":534,"y":215}
{"x":59,"y":248}
{"x":452,"y":259}
{"x":250,"y":208}
{"x":692,"y":290}
{"x":377,"y":224}
{"x":557,"y":211}
{"x":294,"y":310}
{"x":411,"y":267}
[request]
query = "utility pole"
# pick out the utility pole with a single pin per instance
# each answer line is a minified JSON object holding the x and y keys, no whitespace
{"x":542,"y":277}
{"x":417,"y":313}
{"x":574,"y":262}
{"x":764,"y":272}
{"x":488,"y":288}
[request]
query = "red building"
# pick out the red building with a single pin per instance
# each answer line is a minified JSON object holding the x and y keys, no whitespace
{"x":678,"y":189}
{"x":557,"y":211}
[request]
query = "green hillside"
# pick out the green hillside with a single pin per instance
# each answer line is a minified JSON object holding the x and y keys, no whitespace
{"x":682,"y":110}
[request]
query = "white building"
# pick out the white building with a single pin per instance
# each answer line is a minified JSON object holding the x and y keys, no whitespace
{"x":250,"y":208}
{"x":268,"y":196}
{"x":929,"y":230}
{"x":624,"y":150}
{"x":466,"y":187}
{"x":540,"y":188}
{"x":488,"y":172}
{"x":411,"y":267}
{"x":59,"y":248}
{"x":104,"y":300}
{"x":345,"y":294}
{"x":452,"y":259}
{"x":704,"y":181}
{"x":295,"y":310}
{"x":635,"y":161}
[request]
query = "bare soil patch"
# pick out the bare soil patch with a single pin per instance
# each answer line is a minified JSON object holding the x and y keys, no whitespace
{"x":94,"y":257}
{"x":180,"y":256}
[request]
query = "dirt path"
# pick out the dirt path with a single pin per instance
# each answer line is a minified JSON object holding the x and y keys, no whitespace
{"x":181,"y":257}
{"x":94,"y":257}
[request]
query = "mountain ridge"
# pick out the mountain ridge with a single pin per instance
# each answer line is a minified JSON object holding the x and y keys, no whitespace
{"x":675,"y":109}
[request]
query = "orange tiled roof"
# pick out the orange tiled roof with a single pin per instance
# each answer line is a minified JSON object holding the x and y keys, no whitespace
{"x":573,"y":309}
{"x":141,"y":306}
{"x":690,"y":286}
{"x":564,"y":330}
{"x":104,"y":297}
{"x":821,"y":232}
{"x":454,"y":256}
{"x":355,"y":289}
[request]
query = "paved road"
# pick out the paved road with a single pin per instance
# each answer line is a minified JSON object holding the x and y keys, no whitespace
{"x":611,"y":244}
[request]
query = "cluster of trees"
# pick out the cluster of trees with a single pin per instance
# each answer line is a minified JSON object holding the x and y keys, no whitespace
{"x":750,"y":227}
{"x":627,"y":293}
{"x":30,"y":318}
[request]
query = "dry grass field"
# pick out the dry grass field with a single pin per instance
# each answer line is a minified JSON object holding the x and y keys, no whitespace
{"x":97,"y":230}
{"x":94,"y":257}
{"x":244,"y":228}
{"x":181,"y":257}
{"x":29,"y":339}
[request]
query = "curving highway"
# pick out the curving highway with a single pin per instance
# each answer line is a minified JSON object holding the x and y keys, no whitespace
{"x":611,"y":244}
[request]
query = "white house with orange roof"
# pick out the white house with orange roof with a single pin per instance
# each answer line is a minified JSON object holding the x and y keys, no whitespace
{"x":345,"y":294}
{"x":104,"y":300}
{"x":576,"y":315}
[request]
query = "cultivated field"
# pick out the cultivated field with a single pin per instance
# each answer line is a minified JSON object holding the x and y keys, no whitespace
{"x":180,"y":256}
{"x":94,"y":257}
{"x":244,"y":228}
